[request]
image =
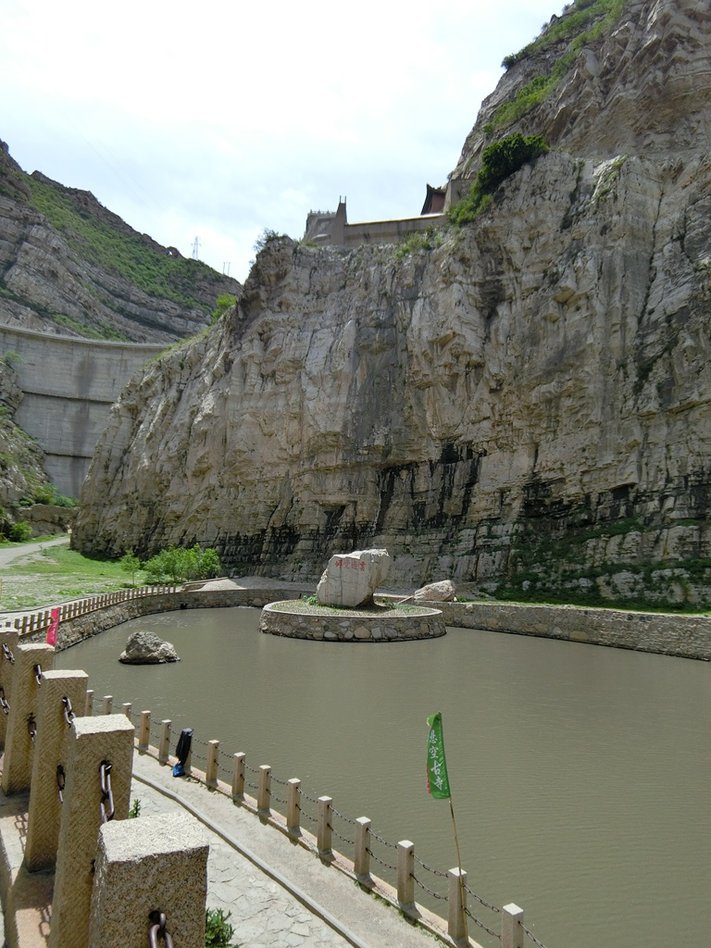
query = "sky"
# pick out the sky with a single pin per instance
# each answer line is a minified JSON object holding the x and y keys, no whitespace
{"x":215,"y":121}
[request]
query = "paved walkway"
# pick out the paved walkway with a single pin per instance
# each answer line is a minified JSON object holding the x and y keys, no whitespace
{"x":298,"y":901}
{"x":8,"y":554}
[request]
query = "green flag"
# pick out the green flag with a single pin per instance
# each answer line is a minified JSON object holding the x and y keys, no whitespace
{"x":437,"y":779}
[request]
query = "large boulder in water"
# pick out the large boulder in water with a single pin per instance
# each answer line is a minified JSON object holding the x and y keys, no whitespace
{"x":350,"y":579}
{"x":146,"y":648}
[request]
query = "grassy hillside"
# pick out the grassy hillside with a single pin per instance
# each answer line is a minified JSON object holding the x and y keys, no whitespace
{"x":104,"y":240}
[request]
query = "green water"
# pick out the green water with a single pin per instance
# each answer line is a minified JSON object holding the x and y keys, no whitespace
{"x":580,"y":775}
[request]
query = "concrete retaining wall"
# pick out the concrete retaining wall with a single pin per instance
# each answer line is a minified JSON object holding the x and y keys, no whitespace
{"x":663,"y":633}
{"x":69,"y":385}
{"x":345,"y":628}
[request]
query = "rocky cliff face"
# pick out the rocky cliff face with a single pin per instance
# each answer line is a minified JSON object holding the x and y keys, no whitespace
{"x":68,"y":265}
{"x":525,"y":408}
{"x":21,"y":459}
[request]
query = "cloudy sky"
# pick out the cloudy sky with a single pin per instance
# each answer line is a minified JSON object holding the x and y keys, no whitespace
{"x":216,"y":120}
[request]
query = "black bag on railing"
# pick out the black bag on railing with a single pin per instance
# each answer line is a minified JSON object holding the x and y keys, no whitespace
{"x":182,"y":751}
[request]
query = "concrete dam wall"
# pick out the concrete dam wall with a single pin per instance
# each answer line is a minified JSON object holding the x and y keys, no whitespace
{"x":69,"y":385}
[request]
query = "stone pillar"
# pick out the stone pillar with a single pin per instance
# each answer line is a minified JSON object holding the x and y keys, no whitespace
{"x":213,"y":751}
{"x":324,"y":828}
{"x":457,"y":916}
{"x":264,"y":790}
{"x":151,"y":864}
{"x":293,"y":805}
{"x":17,"y":767}
{"x":144,"y":734}
{"x":164,"y":746}
{"x":103,"y":738}
{"x":361,"y":860}
{"x":8,"y":647}
{"x":53,"y":736}
{"x":511,"y":926}
{"x":405,"y":872}
{"x":238,"y":777}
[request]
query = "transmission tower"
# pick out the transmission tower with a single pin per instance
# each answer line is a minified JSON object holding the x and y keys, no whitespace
{"x":196,"y":248}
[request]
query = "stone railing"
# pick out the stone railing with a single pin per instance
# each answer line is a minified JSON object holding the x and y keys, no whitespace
{"x":73,"y":869}
{"x":400,"y":873}
{"x":32,"y":623}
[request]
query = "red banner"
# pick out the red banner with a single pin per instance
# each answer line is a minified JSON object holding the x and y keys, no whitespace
{"x":53,"y":627}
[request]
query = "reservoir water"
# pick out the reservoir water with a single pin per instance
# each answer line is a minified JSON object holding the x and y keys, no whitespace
{"x":580,"y":775}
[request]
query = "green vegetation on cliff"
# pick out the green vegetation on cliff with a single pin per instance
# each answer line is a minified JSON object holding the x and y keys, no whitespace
{"x":116,"y":248}
{"x":581,"y":24}
{"x":499,"y":161}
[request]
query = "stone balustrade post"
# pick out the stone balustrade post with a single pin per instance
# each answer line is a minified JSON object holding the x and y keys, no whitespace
{"x":213,"y":751}
{"x":293,"y":805}
{"x":89,"y":702}
{"x":324,"y":828}
{"x":144,"y":734}
{"x":8,"y":647}
{"x":127,"y":887}
{"x":17,"y":765}
{"x":107,"y":704}
{"x":61,"y":692}
{"x":361,"y":859}
{"x":126,"y":708}
{"x":96,"y":740}
{"x":457,"y":899}
{"x":238,"y":777}
{"x":264,"y":791}
{"x":511,"y":926}
{"x":406,"y":872}
{"x":164,"y":746}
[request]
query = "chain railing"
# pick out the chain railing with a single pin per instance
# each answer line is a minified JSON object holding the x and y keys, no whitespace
{"x":380,"y":850}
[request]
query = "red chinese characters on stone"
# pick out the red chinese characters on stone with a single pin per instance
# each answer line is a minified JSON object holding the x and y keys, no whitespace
{"x":349,"y":564}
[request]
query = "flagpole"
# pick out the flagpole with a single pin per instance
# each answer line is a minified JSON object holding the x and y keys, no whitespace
{"x":439,"y":786}
{"x":459,"y":866}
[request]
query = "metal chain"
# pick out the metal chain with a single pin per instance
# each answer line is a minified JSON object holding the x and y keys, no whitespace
{"x":38,"y":673}
{"x":435,"y":895}
{"x":106,"y":804}
{"x":435,"y":872}
{"x":347,"y":819}
{"x":309,"y":798}
{"x":60,"y":782}
{"x":383,"y":841}
{"x":343,"y":839}
{"x":380,"y":861}
{"x":68,"y":711}
{"x":31,"y":727}
{"x":3,"y":702}
{"x":533,"y":938}
{"x":158,"y":930}
{"x":478,"y":921}
{"x":494,"y":908}
{"x":7,"y":653}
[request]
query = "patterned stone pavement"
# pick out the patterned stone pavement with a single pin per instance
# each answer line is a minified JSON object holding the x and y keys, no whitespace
{"x":264,"y":912}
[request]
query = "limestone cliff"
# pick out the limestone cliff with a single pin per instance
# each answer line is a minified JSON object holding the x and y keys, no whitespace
{"x":68,"y":265}
{"x":526,"y":407}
